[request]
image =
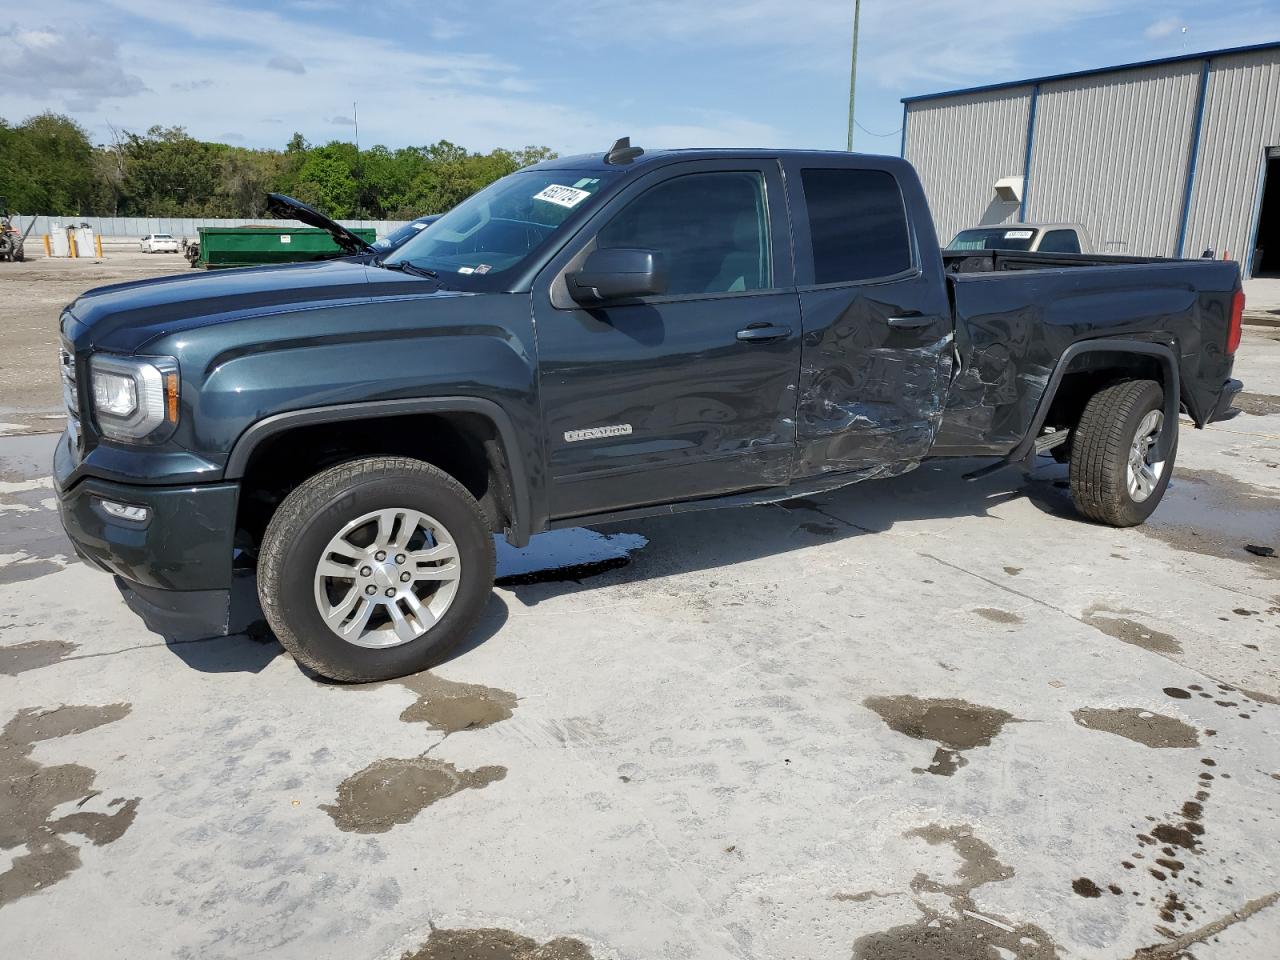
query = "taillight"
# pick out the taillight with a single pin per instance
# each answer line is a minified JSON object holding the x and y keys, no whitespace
{"x":1237,"y":312}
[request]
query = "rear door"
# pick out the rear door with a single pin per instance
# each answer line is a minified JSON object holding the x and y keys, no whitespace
{"x":690,"y":394}
{"x":877,"y":348}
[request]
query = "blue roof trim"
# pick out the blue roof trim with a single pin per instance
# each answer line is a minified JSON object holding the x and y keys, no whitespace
{"x":1137,"y":65}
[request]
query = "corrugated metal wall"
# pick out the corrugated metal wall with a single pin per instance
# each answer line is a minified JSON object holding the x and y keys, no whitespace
{"x":1241,"y":119}
{"x":961,"y":146}
{"x":1111,"y":152}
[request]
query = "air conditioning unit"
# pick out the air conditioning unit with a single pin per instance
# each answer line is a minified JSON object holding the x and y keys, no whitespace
{"x":1010,"y":189}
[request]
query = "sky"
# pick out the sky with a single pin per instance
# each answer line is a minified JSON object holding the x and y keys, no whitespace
{"x":569,"y":74}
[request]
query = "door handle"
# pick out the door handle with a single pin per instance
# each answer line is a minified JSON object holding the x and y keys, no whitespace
{"x":764,"y":332}
{"x":910,"y":321}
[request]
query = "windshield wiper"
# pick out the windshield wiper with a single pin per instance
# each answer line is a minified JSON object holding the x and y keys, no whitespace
{"x":405,"y":266}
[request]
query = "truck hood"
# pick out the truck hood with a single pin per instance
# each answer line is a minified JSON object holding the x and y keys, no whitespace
{"x":287,"y":208}
{"x":124,"y":317}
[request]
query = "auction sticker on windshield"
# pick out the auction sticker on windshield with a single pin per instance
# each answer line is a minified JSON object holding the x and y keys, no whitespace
{"x":561,"y":196}
{"x":1018,"y":234}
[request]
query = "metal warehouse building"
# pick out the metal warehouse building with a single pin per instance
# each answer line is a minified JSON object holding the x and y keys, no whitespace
{"x":1162,"y":158}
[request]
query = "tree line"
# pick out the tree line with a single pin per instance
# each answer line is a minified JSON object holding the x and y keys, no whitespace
{"x":48,"y":165}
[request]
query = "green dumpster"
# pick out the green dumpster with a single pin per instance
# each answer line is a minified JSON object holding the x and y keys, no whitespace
{"x":254,"y":246}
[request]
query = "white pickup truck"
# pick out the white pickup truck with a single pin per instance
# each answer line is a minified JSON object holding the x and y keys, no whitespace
{"x":158,"y":243}
{"x":1028,"y":237}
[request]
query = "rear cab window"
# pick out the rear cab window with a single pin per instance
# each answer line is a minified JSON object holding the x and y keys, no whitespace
{"x":994,"y":238}
{"x":1060,"y":241}
{"x":858,"y":227}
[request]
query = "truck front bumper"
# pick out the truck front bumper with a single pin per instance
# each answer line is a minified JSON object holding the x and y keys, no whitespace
{"x":171,"y":555}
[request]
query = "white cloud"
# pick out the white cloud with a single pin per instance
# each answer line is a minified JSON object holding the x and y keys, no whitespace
{"x":286,"y":64}
{"x":70,"y":63}
{"x":1162,"y":28}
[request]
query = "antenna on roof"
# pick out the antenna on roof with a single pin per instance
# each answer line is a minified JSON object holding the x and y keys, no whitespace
{"x":622,"y":151}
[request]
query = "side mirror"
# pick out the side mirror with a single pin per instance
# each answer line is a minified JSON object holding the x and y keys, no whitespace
{"x":619,"y":274}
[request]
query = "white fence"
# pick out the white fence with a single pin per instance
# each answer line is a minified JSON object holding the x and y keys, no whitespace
{"x":176,"y":226}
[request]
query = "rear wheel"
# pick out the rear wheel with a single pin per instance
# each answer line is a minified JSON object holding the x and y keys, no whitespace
{"x":1116,"y":478}
{"x":375,"y":568}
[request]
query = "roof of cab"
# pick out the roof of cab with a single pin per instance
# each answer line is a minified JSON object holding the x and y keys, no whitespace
{"x":651,"y":157}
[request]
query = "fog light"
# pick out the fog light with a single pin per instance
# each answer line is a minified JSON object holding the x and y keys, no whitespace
{"x":125,"y":511}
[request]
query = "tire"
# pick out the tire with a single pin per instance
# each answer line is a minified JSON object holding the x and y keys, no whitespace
{"x":292,"y":586}
{"x":1116,"y":424}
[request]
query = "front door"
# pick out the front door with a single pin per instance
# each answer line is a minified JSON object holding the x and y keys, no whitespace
{"x":877,"y":321}
{"x":690,"y":394}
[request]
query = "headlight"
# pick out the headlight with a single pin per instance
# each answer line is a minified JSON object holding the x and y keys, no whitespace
{"x":134,"y":399}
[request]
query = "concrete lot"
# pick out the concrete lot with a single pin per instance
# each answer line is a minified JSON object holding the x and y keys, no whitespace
{"x":33,"y":294}
{"x":917,"y":718}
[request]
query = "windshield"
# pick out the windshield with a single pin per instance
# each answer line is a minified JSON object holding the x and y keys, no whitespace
{"x":993,"y":238}
{"x":161,"y":236}
{"x":397,"y":237}
{"x":500,"y":227}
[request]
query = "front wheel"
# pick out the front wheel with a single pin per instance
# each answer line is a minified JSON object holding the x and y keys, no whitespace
{"x":375,"y":568}
{"x":1116,"y":477}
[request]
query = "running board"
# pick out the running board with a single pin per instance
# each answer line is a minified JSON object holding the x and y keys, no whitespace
{"x":1043,"y":444}
{"x":1048,"y":441}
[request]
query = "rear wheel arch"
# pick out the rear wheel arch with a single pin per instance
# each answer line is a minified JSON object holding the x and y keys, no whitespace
{"x":1088,"y":366}
{"x":471,"y":439}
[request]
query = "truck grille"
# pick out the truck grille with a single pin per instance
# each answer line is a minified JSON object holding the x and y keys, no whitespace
{"x":70,"y":393}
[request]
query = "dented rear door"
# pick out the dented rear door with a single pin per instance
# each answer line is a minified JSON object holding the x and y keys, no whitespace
{"x":877,"y":324}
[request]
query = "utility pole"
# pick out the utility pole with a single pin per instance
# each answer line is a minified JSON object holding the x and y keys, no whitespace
{"x":853,"y":69}
{"x":355,"y":122}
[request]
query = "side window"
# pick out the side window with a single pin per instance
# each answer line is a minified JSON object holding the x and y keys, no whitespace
{"x":857,"y":225}
{"x":712,"y":228}
{"x":1060,"y":241}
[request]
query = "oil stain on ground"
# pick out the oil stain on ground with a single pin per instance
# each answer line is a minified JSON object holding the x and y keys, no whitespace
{"x":1130,"y":631}
{"x":1140,"y":726}
{"x":31,"y":791}
{"x":956,"y":725}
{"x":964,"y":933}
{"x":32,"y":655}
{"x":491,"y":943}
{"x":388,"y":792}
{"x":996,"y":615}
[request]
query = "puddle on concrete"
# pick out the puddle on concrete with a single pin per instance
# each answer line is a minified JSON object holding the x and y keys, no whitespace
{"x":965,"y":934}
{"x":955,"y":724}
{"x":31,"y":791}
{"x":1130,"y":631}
{"x":1140,"y":726}
{"x":1215,"y":515}
{"x":564,"y":556}
{"x":388,"y":792}
{"x":1257,"y":696}
{"x":24,"y":570}
{"x":996,"y":615}
{"x":1086,"y":887}
{"x":1257,"y":404}
{"x":491,"y":943}
{"x":32,"y":655}
{"x":451,"y":706}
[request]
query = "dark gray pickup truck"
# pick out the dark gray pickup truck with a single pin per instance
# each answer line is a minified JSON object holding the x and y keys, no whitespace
{"x":595,"y":338}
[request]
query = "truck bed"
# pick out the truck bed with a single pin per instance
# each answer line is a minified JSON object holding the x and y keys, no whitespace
{"x":1011,"y":330}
